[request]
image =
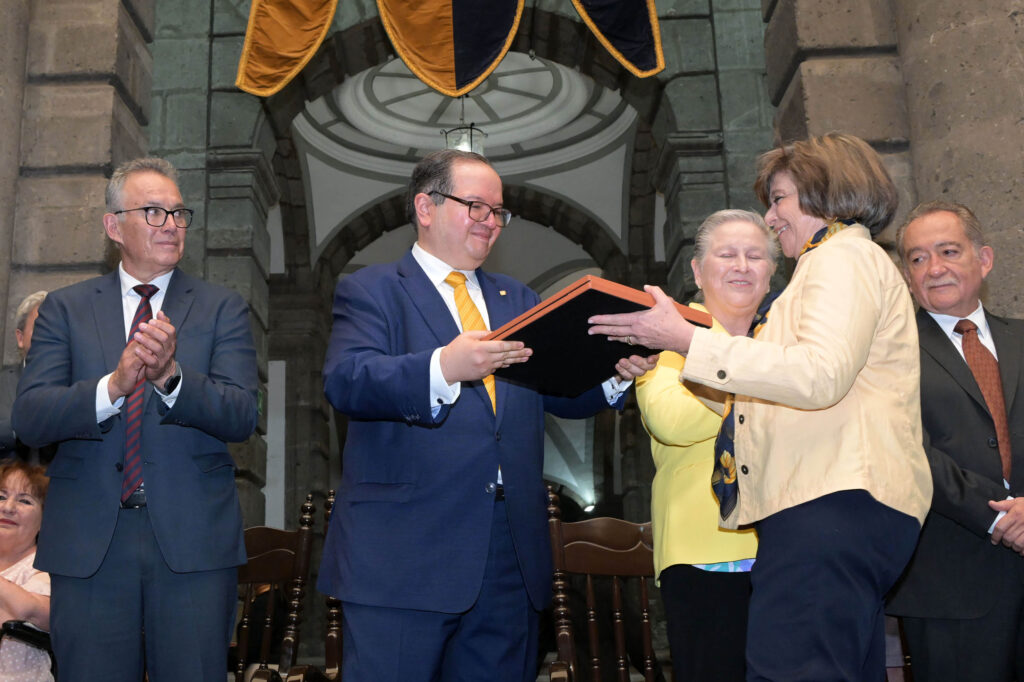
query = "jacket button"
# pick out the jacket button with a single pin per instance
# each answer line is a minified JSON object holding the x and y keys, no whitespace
{"x":119,"y":466}
{"x":992,"y":442}
{"x":721,"y":374}
{"x":744,"y":469}
{"x":740,"y":418}
{"x":490,"y":488}
{"x":497,"y":435}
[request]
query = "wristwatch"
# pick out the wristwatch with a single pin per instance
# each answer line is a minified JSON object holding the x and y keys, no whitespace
{"x":172,"y":383}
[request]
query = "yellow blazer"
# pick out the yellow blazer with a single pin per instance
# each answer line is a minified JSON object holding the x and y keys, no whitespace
{"x":684,"y":511}
{"x":836,"y":375}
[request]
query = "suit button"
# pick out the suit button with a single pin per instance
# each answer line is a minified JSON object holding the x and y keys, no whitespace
{"x":992,"y":442}
{"x":119,"y":466}
{"x":744,"y":469}
{"x":721,"y":374}
{"x":497,"y":435}
{"x":741,"y":418}
{"x":490,"y":488}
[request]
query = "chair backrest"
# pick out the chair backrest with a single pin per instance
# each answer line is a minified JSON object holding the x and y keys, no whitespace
{"x":332,"y":633}
{"x":606,"y":547}
{"x":274,"y":577}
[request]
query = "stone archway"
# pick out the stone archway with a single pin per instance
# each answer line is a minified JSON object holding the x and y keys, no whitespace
{"x":679,"y":152}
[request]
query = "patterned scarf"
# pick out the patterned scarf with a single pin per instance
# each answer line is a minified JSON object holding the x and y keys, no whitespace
{"x":723,"y":476}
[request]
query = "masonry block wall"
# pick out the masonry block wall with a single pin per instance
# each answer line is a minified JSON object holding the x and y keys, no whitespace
{"x":77,"y":108}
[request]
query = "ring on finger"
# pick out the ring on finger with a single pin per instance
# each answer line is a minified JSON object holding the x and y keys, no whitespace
{"x":629,"y":340}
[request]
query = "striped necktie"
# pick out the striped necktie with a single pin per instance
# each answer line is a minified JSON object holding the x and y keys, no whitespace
{"x":471,"y":321}
{"x":133,"y":405}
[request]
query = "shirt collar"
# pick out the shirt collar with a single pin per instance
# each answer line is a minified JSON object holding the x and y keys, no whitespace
{"x":437,"y":270}
{"x":128,"y":282}
{"x":947,"y":322}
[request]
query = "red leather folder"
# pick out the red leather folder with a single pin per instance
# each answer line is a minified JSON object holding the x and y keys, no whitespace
{"x":566,"y":359}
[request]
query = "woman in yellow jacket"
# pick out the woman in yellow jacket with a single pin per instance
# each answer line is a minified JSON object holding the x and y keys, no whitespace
{"x":703,"y":570}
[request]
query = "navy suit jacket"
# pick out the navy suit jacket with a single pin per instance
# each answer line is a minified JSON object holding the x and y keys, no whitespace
{"x":8,"y":391}
{"x":190,"y":485}
{"x":412,"y":521}
{"x":956,"y":572}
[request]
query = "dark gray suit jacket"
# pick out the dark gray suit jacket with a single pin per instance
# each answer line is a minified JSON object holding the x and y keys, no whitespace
{"x":190,"y":484}
{"x":8,"y":390}
{"x":956,"y":572}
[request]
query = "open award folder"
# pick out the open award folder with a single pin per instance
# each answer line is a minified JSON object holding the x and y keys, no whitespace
{"x":566,"y":359}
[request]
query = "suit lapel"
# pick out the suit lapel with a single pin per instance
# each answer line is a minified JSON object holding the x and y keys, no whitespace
{"x":176,"y":306}
{"x":109,"y":316}
{"x":178,"y":299}
{"x":427,"y":300}
{"x":1008,"y":349}
{"x":935,"y":342}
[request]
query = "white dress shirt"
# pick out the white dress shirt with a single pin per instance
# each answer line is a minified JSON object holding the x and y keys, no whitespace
{"x":129,"y":304}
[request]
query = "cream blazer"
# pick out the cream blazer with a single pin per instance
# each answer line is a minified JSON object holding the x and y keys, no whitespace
{"x":684,"y":511}
{"x":828,"y":395}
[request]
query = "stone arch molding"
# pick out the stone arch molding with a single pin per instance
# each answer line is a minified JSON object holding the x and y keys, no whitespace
{"x":550,"y":129}
{"x":363,"y":46}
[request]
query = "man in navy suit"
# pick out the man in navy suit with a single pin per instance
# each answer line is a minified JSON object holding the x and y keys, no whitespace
{"x":962,"y":595}
{"x":438,"y":545}
{"x":142,"y":543}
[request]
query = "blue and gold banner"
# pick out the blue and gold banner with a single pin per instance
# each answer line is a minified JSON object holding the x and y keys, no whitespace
{"x":451,"y":45}
{"x":629,"y":30}
{"x":282,"y":36}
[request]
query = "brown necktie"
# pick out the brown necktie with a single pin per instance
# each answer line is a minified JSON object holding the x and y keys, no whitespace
{"x":986,"y":372}
{"x":133,"y":404}
{"x":471,"y":321}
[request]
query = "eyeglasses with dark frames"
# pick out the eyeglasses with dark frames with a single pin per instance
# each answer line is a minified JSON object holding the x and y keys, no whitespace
{"x":157,"y":216}
{"x":479,"y":211}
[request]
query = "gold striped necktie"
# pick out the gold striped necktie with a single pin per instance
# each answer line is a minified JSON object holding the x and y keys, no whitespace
{"x":471,"y":321}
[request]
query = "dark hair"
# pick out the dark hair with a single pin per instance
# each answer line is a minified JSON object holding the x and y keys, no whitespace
{"x":969,"y":221}
{"x":837,"y":176}
{"x":35,"y":475}
{"x":434,"y":174}
{"x":121,"y":173}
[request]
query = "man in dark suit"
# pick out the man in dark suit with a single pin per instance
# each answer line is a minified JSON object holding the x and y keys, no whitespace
{"x":24,"y":322}
{"x":142,"y":529}
{"x":438,"y":543}
{"x":962,"y":596}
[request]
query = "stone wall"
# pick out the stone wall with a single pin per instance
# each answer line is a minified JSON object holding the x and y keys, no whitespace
{"x":77,"y":107}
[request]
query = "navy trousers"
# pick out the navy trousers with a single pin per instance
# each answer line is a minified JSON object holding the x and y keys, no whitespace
{"x":495,"y":640}
{"x":822,"y":571}
{"x":136,"y":613}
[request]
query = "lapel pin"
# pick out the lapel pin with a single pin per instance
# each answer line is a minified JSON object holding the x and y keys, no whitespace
{"x":501,"y":292}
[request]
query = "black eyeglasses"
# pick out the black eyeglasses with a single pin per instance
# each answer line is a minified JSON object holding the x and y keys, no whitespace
{"x":479,"y":211}
{"x":156,"y":216}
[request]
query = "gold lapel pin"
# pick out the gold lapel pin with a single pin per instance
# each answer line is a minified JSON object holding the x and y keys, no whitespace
{"x":501,"y":292}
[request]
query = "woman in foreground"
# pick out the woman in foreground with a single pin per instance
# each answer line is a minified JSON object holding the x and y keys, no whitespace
{"x":828,"y":453}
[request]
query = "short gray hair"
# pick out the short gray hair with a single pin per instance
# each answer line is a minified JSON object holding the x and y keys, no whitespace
{"x":703,"y":237}
{"x":30,"y":303}
{"x":150,"y":163}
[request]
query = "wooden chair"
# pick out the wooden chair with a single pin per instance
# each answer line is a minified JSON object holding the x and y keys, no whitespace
{"x":897,"y":659}
{"x":593,"y":548}
{"x":332,"y":630}
{"x":277,"y":571}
